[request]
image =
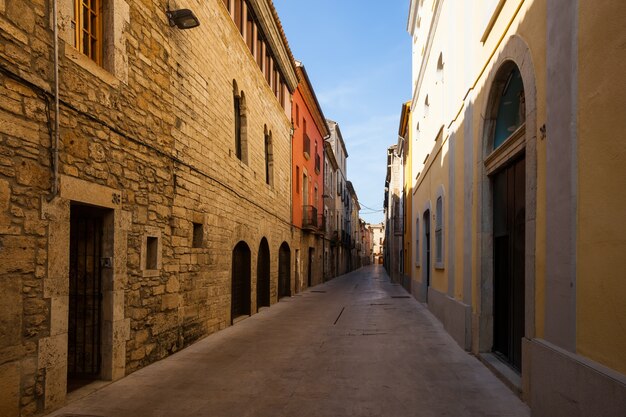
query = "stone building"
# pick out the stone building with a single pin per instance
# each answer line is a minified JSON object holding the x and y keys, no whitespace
{"x":354,"y":229}
{"x":377,"y":233}
{"x":365,"y":243}
{"x":310,"y":129}
{"x":156,"y":208}
{"x":520,"y":192}
{"x":394,"y":214}
{"x":331,"y":231}
{"x":341,"y":199}
{"x":405,"y":149}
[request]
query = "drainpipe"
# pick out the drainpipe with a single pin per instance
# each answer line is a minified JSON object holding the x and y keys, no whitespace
{"x":55,"y":146}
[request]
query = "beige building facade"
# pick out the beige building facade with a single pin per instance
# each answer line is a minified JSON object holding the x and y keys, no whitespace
{"x":517,"y":182}
{"x":149,"y":221}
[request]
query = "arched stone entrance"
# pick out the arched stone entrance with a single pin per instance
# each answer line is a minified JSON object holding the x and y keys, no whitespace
{"x":240,"y":295}
{"x":507,"y":206}
{"x":263,"y":276}
{"x":284,"y":271}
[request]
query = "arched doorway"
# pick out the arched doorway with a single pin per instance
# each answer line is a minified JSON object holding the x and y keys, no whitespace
{"x":263,"y":276}
{"x":508,"y":209}
{"x":508,"y":197}
{"x":284,"y":271}
{"x":240,"y":295}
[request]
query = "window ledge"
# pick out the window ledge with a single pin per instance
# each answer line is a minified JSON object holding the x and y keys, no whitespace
{"x":88,"y":64}
{"x":150,"y":273}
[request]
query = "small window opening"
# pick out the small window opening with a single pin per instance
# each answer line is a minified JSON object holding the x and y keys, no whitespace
{"x":198,"y":235}
{"x":152,"y":248}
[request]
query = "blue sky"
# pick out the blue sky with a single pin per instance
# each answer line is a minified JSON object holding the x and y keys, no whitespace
{"x":358,"y":57}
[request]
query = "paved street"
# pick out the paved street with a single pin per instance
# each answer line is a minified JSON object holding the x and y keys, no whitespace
{"x":355,"y":346}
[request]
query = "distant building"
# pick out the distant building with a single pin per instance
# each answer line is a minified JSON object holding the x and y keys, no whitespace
{"x":340,"y":211}
{"x":377,"y":232}
{"x":310,"y":129}
{"x":394,"y":216}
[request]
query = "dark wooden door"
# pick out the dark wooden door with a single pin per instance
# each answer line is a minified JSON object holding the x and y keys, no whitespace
{"x":263,"y":276}
{"x":240,"y":302}
{"x":508,"y":265}
{"x":284,"y":271}
{"x":85,"y":296}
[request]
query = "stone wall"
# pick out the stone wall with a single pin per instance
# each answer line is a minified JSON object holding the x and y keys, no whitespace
{"x":149,"y":138}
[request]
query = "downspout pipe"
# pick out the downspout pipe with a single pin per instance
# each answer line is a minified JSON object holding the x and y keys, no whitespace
{"x":55,"y":145}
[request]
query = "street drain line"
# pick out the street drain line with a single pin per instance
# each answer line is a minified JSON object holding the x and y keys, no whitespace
{"x":319,"y":291}
{"x":400,"y":296}
{"x":340,"y":313}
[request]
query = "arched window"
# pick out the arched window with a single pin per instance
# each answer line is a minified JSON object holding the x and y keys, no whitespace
{"x":439,"y":236}
{"x":438,"y":230}
{"x":440,"y":68}
{"x":239,"y":115}
{"x":511,"y":107}
{"x":269,"y":158}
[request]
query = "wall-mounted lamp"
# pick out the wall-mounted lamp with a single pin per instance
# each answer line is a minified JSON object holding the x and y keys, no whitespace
{"x":182,"y":19}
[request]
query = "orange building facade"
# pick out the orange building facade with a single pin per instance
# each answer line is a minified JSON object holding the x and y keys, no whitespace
{"x":310,"y":129}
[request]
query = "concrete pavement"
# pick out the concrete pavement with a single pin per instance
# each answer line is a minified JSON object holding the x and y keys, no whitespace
{"x":355,"y":346}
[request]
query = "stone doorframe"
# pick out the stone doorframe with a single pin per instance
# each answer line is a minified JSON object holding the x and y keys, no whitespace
{"x":52,"y":350}
{"x":517,"y":52}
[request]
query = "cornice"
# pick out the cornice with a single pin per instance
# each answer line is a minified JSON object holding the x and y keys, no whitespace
{"x":307,"y":91}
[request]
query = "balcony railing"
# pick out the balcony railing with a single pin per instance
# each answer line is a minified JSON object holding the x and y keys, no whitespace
{"x":307,"y":146}
{"x":309,"y":218}
{"x":318,"y":163}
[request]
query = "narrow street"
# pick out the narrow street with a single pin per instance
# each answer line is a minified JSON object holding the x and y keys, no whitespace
{"x":355,"y":346}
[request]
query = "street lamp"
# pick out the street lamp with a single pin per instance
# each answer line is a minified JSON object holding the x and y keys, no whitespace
{"x":182,"y":19}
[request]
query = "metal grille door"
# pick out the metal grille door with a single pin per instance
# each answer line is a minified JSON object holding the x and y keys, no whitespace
{"x":85,"y":301}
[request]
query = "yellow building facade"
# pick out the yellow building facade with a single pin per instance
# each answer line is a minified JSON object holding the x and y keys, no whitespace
{"x":404,"y":134}
{"x":517,"y":179}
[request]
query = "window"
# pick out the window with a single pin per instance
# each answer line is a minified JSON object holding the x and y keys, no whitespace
{"x":87,"y":25}
{"x":439,"y":233}
{"x":198,"y":235}
{"x":152,"y":246}
{"x":511,"y":109}
{"x":238,"y":15}
{"x":297,"y":115}
{"x":269,"y":163}
{"x":239,"y":115}
{"x":298,"y":180}
{"x":260,"y":48}
{"x":283,"y":96}
{"x":250,"y":31}
{"x":417,"y":242}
